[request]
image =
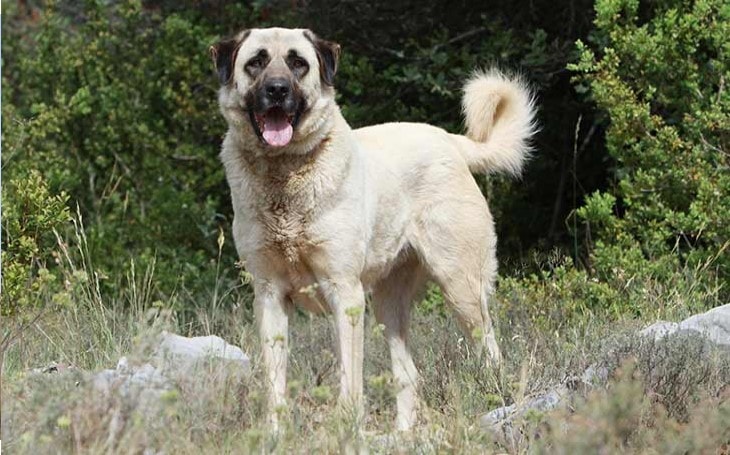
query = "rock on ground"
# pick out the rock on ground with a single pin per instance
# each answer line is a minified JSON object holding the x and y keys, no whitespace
{"x":174,"y":365}
{"x":713,"y":326}
{"x":174,"y":359}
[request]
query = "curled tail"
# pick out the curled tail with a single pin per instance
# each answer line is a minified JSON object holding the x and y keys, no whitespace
{"x":500,"y":121}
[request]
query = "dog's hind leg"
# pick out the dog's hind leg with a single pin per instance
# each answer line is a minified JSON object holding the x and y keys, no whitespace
{"x":392,"y":300}
{"x":457,"y":243}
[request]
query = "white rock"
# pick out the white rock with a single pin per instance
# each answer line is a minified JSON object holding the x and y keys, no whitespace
{"x":544,"y":402}
{"x":171,"y":366}
{"x":175,"y":365}
{"x":593,"y":375}
{"x":130,"y":388}
{"x":714,"y":325}
{"x":659,"y":330}
{"x":501,"y":421}
{"x":189,"y":351}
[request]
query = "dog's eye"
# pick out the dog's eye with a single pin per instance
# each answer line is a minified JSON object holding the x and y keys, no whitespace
{"x":297,"y":64}
{"x":256,"y":62}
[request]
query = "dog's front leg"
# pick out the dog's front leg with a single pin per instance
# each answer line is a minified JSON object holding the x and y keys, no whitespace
{"x":347,"y":301}
{"x":273,"y":323}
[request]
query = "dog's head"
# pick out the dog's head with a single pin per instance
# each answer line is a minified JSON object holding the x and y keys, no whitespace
{"x":276,"y":84}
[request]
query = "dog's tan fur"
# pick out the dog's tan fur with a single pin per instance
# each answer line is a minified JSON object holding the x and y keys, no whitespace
{"x":337,"y":213}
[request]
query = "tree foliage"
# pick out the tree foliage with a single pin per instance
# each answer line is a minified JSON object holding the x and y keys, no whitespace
{"x":30,"y":218}
{"x":660,"y":76}
{"x":112,"y":106}
{"x":120,"y":113}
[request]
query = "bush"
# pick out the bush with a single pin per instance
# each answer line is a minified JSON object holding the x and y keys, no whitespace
{"x":659,"y":73}
{"x":118,"y":106}
{"x":626,"y":417}
{"x":31,"y":217}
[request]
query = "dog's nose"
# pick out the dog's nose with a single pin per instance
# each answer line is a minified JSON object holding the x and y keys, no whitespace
{"x":277,"y":89}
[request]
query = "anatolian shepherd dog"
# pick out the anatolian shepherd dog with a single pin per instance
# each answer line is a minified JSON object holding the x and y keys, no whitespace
{"x":324,"y":214}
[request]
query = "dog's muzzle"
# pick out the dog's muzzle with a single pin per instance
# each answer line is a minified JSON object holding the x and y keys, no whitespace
{"x":275,"y":111}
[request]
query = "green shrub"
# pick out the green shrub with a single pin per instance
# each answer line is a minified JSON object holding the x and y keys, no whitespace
{"x":31,"y":216}
{"x":119,"y":112}
{"x":30,"y":285}
{"x":660,"y":75}
{"x":114,"y":104}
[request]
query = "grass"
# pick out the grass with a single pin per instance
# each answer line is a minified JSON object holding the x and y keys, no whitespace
{"x":668,"y":397}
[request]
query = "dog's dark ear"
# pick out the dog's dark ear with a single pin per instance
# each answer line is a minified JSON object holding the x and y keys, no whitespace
{"x":224,"y":56}
{"x":328,"y":54}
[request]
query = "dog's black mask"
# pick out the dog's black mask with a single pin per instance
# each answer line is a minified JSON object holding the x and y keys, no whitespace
{"x":275,"y":106}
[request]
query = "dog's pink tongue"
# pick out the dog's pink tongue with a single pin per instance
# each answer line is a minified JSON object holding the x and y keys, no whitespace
{"x":277,"y":129}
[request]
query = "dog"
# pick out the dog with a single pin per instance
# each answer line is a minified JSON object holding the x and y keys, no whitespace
{"x":324,"y":214}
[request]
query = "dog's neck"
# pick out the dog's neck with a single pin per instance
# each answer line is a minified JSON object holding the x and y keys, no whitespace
{"x":301,"y":182}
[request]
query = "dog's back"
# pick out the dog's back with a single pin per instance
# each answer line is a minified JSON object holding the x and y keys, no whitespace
{"x":499,"y":114}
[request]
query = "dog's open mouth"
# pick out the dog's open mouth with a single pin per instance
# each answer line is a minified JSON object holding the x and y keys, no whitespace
{"x":276,"y":126}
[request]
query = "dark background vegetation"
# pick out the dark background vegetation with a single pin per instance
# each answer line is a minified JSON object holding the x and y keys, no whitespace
{"x":110,"y":108}
{"x":407,"y":61}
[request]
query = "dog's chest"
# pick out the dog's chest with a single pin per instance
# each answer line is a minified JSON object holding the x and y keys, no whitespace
{"x":289,"y":202}
{"x":294,"y":252}
{"x":285,"y":228}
